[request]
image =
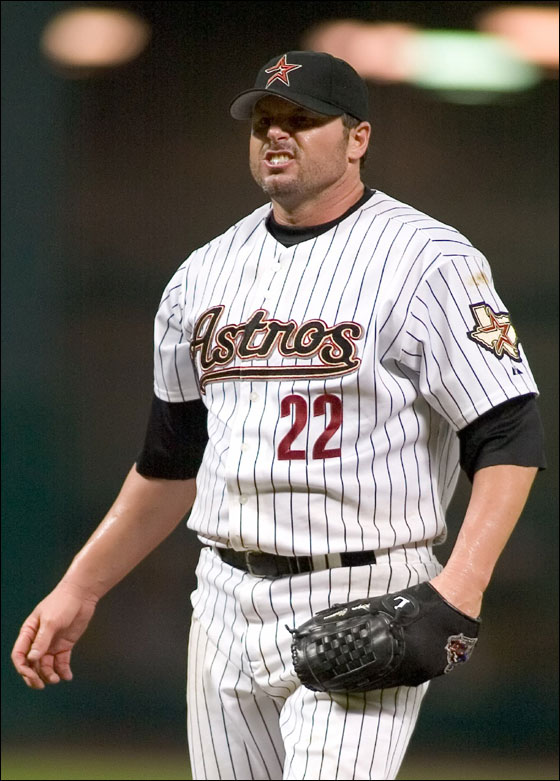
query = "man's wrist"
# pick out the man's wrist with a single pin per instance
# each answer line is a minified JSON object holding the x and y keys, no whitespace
{"x":78,"y":590}
{"x":463,"y":592}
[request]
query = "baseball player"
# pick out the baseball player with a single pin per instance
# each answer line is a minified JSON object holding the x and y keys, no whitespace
{"x":322,"y":371}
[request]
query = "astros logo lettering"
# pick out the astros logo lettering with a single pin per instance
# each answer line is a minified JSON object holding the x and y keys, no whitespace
{"x":259,"y":336}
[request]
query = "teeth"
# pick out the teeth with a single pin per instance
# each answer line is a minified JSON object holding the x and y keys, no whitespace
{"x":275,"y":159}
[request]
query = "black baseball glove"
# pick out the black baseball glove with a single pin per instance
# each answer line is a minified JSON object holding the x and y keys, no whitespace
{"x":399,"y":639}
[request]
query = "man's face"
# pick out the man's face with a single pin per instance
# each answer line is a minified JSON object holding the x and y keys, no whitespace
{"x":295,"y":153}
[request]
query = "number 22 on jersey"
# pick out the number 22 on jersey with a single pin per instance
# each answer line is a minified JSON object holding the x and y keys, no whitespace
{"x":326,"y":404}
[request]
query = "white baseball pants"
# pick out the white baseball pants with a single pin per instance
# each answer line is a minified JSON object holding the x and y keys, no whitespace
{"x":247,"y":715}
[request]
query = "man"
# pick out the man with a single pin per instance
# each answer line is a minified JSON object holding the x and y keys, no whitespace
{"x":331,"y":359}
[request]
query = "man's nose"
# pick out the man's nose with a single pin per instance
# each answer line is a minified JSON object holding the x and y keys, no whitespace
{"x":277,"y":131}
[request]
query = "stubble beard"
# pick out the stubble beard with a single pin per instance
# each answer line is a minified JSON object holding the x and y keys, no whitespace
{"x":294,"y":190}
{"x":277,"y":186}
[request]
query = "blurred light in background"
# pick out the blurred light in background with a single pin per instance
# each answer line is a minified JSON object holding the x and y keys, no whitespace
{"x":531,"y":31}
{"x":457,"y":60}
{"x":84,"y":38}
{"x":376,"y":51}
{"x":463,"y":66}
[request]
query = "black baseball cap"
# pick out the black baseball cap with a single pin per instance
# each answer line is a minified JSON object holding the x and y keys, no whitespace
{"x":315,"y":80}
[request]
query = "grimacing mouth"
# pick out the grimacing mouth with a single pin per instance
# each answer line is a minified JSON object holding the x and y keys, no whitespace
{"x":270,"y":154}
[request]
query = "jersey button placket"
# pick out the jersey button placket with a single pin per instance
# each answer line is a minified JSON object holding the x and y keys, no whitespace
{"x":273,"y":278}
{"x":268,"y":267}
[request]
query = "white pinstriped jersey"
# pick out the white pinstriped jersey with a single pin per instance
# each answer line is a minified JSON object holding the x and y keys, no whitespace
{"x":336,"y":374}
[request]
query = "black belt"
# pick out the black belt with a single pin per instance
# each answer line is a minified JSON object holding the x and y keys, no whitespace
{"x":267,"y":565}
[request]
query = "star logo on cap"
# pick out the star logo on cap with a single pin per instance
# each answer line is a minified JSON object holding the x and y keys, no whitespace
{"x":280,"y":71}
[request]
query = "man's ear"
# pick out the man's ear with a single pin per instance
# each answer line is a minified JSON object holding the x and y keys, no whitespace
{"x":358,"y":140}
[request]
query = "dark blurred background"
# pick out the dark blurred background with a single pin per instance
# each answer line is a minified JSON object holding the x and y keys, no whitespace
{"x":111,"y":177}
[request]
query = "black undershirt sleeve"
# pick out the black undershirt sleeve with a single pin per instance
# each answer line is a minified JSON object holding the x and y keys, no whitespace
{"x":175,"y":440}
{"x":511,"y":433}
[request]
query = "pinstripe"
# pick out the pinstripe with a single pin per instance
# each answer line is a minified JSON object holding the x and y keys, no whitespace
{"x":344,"y":723}
{"x":390,"y":490}
{"x":450,"y":483}
{"x":408,"y":305}
{"x":301,"y":723}
{"x":223,"y":438}
{"x":325,"y":740}
{"x":171,"y":290}
{"x":430,"y":470}
{"x":460,"y":314}
{"x":223,"y":714}
{"x":405,"y":503}
{"x":194,"y":724}
{"x":362,"y":722}
{"x":443,"y":345}
{"x":224,"y":256}
{"x":277,"y":626}
{"x":249,"y":762}
{"x":256,"y":458}
{"x":418,"y":696}
{"x":415,"y":439}
{"x":312,"y":727}
{"x":249,"y":723}
{"x":161,"y":355}
{"x":266,"y":729}
{"x":395,"y":694}
{"x":409,"y":273}
{"x":209,"y":718}
{"x":284,"y":689}
{"x":382,"y":709}
{"x":449,"y":396}
{"x":461,"y":243}
{"x":396,"y":744}
{"x":191,"y":289}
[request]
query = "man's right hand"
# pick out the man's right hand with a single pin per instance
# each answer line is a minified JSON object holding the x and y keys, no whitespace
{"x":144,"y":513}
{"x":42,"y":651}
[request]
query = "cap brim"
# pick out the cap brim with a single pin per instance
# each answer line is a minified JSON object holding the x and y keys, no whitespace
{"x":242,"y":106}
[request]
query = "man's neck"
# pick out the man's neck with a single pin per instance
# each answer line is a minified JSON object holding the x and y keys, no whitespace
{"x":327,"y":206}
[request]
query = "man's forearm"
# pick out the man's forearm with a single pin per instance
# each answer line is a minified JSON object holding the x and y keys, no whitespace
{"x":145,"y":512}
{"x":498,"y":496}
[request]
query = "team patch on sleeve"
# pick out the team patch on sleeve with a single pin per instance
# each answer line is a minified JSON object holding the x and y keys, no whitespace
{"x":494,"y":331}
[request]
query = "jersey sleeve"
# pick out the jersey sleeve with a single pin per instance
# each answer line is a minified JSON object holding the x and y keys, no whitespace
{"x":511,"y":433}
{"x":174,"y":374}
{"x":176,"y":437}
{"x":459,"y":339}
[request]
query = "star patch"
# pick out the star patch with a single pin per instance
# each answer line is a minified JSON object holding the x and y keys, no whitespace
{"x":494,"y":331}
{"x":280,"y":71}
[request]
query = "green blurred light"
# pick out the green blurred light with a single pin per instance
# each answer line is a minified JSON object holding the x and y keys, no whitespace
{"x":454,"y":61}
